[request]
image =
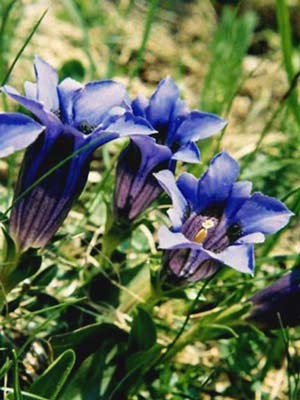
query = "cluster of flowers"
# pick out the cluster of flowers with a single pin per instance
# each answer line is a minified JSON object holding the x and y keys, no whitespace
{"x":215,"y":220}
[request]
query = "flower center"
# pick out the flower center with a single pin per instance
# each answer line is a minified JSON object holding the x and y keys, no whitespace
{"x":85,"y":127}
{"x":202,"y":233}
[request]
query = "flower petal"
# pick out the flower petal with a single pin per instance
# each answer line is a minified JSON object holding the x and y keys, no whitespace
{"x":37,"y":216}
{"x":32,"y":105}
{"x":198,"y":125}
{"x":67,"y":89}
{"x":240,"y":257}
{"x":139,"y":105}
{"x":127,"y":124}
{"x":136,"y":187}
{"x":179,"y":113}
{"x":167,"y":180}
{"x":262,"y":214}
{"x":17,"y":131}
{"x":30,"y":89}
{"x":216,"y":183}
{"x":256,"y":237}
{"x":188,"y":185}
{"x":275,"y":305}
{"x":162,"y":102}
{"x":47,"y":80}
{"x":93,"y":102}
{"x":240,"y":192}
{"x":188,"y":153}
{"x":169,"y":240}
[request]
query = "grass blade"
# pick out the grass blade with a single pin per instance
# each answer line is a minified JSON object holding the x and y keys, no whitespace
{"x":148,"y":25}
{"x":20,"y":52}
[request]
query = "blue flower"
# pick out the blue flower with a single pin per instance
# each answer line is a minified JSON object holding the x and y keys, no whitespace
{"x":178,"y":130}
{"x":215,"y":220}
{"x":277,"y":304}
{"x":73,"y":119}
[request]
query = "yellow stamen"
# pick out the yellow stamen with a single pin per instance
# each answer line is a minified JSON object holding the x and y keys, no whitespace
{"x":202,"y":234}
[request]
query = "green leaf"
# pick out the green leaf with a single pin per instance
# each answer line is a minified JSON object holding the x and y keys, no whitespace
{"x":8,"y":247}
{"x":45,"y":276}
{"x":143,"y":332}
{"x":137,"y":365}
{"x":92,"y":376}
{"x":87,"y":340}
{"x":27,"y":266}
{"x":53,"y":379}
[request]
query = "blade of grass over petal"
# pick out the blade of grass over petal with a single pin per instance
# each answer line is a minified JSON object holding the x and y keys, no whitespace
{"x":153,"y":4}
{"x":38,"y":181}
{"x":284,"y":25}
{"x":20,"y":52}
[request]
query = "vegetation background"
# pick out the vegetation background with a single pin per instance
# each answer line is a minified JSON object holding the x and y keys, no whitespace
{"x":239,"y":59}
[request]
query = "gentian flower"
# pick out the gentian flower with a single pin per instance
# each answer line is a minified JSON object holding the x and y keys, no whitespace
{"x":215,"y":221}
{"x":178,"y":130}
{"x":278,"y":303}
{"x":73,"y":118}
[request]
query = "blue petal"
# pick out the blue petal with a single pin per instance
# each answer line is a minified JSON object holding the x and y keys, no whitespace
{"x":93,"y":102}
{"x":262,"y":214}
{"x":175,"y":218}
{"x":179,"y":113}
{"x":279,"y":299}
{"x":17,"y":131}
{"x":47,"y":80}
{"x":167,"y":180}
{"x":256,"y":237}
{"x":32,"y":105}
{"x":67,"y":89}
{"x":127,"y":124}
{"x":187,"y":153}
{"x":216,"y":183}
{"x":162,"y":102}
{"x":173,"y":240}
{"x":139,"y":105}
{"x":39,"y":214}
{"x":240,"y":257}
{"x":30,"y":89}
{"x":152,"y":154}
{"x":241,"y":191}
{"x":136,"y":187}
{"x":198,"y":125}
{"x":188,"y":185}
